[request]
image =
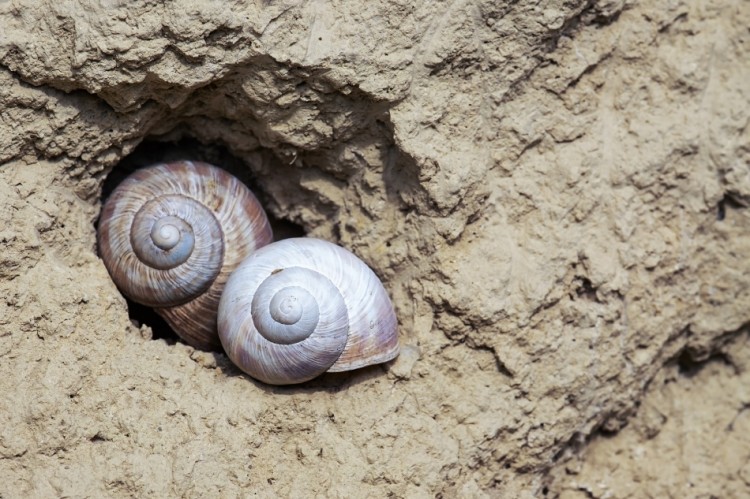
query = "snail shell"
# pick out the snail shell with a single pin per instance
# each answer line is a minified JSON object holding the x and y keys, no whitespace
{"x":300,"y":307}
{"x":171,"y":234}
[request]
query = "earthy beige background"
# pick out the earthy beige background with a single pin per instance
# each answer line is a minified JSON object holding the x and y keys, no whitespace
{"x":555,"y":194}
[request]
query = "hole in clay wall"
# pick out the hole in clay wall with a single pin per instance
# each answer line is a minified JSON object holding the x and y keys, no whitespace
{"x":151,"y":152}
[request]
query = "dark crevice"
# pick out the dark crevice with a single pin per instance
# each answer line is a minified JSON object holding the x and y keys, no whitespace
{"x":98,"y":438}
{"x":727,"y":203}
{"x":689,"y":363}
{"x":584,"y":289}
{"x":141,"y":315}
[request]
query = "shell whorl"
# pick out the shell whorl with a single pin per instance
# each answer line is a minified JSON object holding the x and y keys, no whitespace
{"x":300,"y":307}
{"x":169,"y":275}
{"x":171,"y":234}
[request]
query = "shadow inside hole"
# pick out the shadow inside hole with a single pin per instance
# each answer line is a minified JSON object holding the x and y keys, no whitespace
{"x":143,"y":315}
{"x":152,"y":152}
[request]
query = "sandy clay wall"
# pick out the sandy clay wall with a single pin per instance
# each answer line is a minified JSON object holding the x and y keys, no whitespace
{"x":555,"y":195}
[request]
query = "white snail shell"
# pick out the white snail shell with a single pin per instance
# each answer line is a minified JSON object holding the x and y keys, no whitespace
{"x":300,"y":307}
{"x":171,"y":234}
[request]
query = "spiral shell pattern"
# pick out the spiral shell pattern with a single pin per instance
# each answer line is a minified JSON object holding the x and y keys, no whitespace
{"x":171,"y":234}
{"x":300,"y":307}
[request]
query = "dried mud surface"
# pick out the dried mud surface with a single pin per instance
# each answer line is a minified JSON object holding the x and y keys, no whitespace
{"x":688,"y":438}
{"x":555,"y":195}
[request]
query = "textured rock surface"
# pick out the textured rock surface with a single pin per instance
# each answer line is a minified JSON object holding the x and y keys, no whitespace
{"x":688,"y":439}
{"x":555,"y":195}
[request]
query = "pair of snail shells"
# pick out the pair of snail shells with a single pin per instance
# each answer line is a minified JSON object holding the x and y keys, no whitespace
{"x":300,"y":307}
{"x":171,"y":234}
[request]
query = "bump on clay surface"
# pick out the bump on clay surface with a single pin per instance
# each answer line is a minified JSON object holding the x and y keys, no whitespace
{"x":556,"y":196}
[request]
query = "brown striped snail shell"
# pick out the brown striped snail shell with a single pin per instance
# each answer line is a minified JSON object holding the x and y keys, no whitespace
{"x":171,"y":234}
{"x":300,"y":307}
